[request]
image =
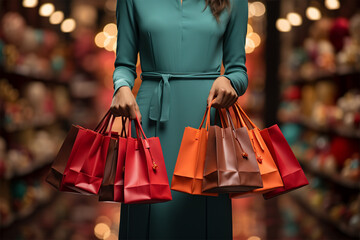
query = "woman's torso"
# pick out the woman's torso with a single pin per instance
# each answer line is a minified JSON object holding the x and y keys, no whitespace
{"x":175,"y":37}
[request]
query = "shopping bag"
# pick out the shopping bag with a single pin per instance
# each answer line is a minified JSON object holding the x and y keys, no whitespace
{"x":57,"y":169}
{"x":85,"y":168}
{"x":112,"y":187}
{"x":120,"y":170}
{"x":230,"y":162}
{"x":290,"y":170}
{"x":189,"y":167}
{"x":145,"y":178}
{"x":269,"y":172}
{"x":56,"y":172}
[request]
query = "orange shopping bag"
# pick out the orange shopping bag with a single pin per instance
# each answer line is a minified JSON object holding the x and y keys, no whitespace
{"x":189,"y":168}
{"x":269,"y":172}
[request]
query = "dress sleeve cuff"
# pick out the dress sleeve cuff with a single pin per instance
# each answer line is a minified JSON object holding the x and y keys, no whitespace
{"x":120,"y":83}
{"x":239,"y":83}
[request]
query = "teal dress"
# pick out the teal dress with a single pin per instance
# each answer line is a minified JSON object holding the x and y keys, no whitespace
{"x":181,"y":49}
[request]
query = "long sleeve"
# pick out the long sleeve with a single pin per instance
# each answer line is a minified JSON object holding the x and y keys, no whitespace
{"x":234,"y":56}
{"x":127,"y":46}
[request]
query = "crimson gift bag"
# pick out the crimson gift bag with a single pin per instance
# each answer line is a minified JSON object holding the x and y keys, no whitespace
{"x":120,"y":169}
{"x":145,"y":179}
{"x":84,"y":171}
{"x":290,"y":170}
{"x":56,"y":172}
{"x":112,"y":187}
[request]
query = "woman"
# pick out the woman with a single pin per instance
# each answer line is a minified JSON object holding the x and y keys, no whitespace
{"x":181,"y":44}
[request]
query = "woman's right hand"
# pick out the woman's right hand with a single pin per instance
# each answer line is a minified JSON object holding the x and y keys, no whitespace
{"x":124,"y":104}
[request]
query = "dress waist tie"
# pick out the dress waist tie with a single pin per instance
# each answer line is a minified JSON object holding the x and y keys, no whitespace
{"x":160,"y":100}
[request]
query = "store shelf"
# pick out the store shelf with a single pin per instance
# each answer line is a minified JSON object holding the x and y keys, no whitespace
{"x":43,"y":124}
{"x":340,"y":131}
{"x":333,"y":177}
{"x":20,"y":78}
{"x":325,"y":76}
{"x":31,"y":170}
{"x":323,"y":217}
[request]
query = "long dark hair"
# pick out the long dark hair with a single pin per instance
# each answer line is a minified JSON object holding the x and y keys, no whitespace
{"x":217,"y":6}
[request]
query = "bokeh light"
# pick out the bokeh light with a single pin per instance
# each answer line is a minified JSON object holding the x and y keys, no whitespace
{"x":254,"y":238}
{"x":313,"y":13}
{"x":249,"y":45}
{"x":295,"y":19}
{"x":102,"y":231}
{"x":68,"y":25}
{"x":111,"y":29}
{"x":258,"y":9}
{"x":30,"y":3}
{"x":46,"y":9}
{"x":100,"y":39}
{"x":255,"y":38}
{"x":283,"y":25}
{"x":57,"y":17}
{"x":332,"y":4}
{"x":249,"y":29}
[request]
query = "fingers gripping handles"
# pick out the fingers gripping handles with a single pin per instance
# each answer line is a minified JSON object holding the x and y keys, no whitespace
{"x":104,"y":123}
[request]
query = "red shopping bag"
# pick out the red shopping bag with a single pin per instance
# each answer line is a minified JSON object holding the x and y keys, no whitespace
{"x":145,"y":179}
{"x":290,"y":170}
{"x":112,"y":187}
{"x":56,"y":172}
{"x":120,"y":169}
{"x":84,"y":171}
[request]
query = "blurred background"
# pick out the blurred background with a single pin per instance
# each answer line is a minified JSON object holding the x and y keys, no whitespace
{"x":303,"y":59}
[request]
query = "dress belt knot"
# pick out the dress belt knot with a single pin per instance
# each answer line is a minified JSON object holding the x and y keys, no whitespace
{"x":160,"y":100}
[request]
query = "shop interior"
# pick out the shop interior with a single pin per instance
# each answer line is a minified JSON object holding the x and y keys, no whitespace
{"x":303,"y":61}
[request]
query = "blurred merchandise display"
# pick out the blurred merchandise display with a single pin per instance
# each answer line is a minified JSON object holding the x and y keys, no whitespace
{"x":21,"y":198}
{"x":320,"y":115}
{"x":327,"y":214}
{"x":58,"y":216}
{"x":31,"y":51}
{"x":43,"y":81}
{"x":341,"y":116}
{"x":335,"y":158}
{"x":332,"y":48}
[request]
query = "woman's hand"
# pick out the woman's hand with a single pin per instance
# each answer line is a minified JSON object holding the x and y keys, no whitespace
{"x":224,"y":93}
{"x":124,"y":104}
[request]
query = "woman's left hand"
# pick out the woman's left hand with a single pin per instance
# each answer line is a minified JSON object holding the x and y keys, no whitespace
{"x":224,"y":93}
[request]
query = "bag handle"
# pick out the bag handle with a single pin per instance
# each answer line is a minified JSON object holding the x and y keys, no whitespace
{"x":245,"y":117}
{"x":103,"y":129}
{"x":104,"y":119}
{"x":241,"y":114}
{"x":138,"y":128}
{"x":105,"y":125}
{"x":123,"y":129}
{"x":207,"y":116}
{"x":139,"y":134}
{"x":228,"y":115}
{"x":221,"y":117}
{"x":239,"y":120}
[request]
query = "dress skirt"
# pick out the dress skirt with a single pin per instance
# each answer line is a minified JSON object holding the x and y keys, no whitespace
{"x":186,"y":216}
